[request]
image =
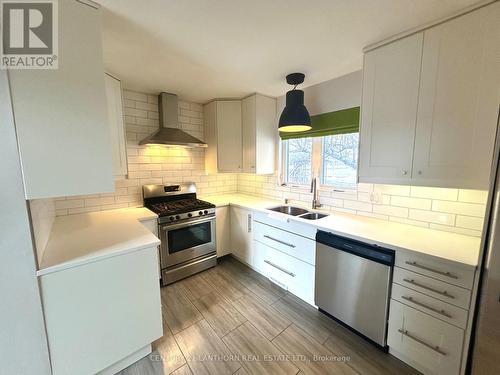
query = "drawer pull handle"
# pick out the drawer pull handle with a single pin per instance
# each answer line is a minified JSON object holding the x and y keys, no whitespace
{"x":443,"y":293}
{"x":440,"y":312}
{"x":279,"y":268}
{"x":279,"y":241}
{"x":447,"y":274}
{"x":404,"y":332}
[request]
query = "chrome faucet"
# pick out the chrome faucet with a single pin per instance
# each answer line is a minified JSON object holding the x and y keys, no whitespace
{"x":314,"y":191}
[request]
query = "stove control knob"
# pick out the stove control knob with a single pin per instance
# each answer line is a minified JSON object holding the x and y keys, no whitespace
{"x":177,"y":217}
{"x":190,"y":214}
{"x":205,"y":212}
{"x":200,"y":213}
{"x":172,"y":218}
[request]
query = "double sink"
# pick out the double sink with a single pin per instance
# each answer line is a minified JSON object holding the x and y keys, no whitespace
{"x":299,"y":212}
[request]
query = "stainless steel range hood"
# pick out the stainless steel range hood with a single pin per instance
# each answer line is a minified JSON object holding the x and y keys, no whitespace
{"x":169,"y":132}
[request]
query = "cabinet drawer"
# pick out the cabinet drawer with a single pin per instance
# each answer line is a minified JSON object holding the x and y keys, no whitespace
{"x":297,"y":246}
{"x":288,"y":272}
{"x":445,"y":292}
{"x":452,"y":273}
{"x":432,"y":306}
{"x":430,"y":345}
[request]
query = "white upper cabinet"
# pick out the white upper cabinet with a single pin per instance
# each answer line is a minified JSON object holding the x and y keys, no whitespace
{"x":61,"y":118}
{"x":430,"y":105}
{"x":116,"y":126}
{"x":259,"y":130}
{"x":223,"y":136}
{"x":389,"y":106}
{"x":458,"y":101}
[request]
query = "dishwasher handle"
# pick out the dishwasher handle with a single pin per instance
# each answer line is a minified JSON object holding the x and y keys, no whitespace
{"x":371,"y":252}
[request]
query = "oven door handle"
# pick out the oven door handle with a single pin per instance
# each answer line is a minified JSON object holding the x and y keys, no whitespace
{"x":187,"y":224}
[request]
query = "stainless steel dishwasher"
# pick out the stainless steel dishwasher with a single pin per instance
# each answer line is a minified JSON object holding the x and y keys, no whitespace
{"x":353,"y":281}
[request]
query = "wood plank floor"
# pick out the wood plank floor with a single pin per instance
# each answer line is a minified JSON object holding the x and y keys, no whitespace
{"x":232,"y":320}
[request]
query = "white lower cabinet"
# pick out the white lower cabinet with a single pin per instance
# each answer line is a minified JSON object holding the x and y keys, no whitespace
{"x":241,"y":234}
{"x":430,"y":345}
{"x":102,"y":312}
{"x":222,"y":231}
{"x":288,"y":272}
{"x":286,"y":259}
{"x":429,"y":313}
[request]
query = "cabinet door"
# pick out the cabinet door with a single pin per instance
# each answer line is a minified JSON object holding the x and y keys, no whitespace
{"x":222,"y":227}
{"x":426,"y":343}
{"x":248,"y":113}
{"x":458,"y":103}
{"x":116,"y":125}
{"x":241,"y":234}
{"x":229,"y":135}
{"x":389,"y":105}
{"x":61,"y":118}
{"x":266,"y":131}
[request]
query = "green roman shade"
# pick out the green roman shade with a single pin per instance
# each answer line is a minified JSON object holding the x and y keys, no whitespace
{"x":331,"y":123}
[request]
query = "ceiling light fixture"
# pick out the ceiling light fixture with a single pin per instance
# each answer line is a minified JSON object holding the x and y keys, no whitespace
{"x":294,"y":117}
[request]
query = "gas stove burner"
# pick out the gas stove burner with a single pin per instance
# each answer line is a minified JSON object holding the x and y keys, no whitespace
{"x":180,"y":206}
{"x":174,"y":203}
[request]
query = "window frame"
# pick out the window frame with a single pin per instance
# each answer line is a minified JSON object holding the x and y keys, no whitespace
{"x":317,"y":166}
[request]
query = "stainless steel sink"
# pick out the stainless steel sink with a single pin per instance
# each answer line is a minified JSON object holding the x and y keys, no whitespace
{"x":313,"y":216}
{"x":289,"y":210}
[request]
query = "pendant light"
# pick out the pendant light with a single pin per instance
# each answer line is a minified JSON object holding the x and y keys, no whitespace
{"x":294,"y":117}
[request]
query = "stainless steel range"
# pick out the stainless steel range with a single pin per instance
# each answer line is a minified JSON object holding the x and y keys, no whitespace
{"x":186,"y":226}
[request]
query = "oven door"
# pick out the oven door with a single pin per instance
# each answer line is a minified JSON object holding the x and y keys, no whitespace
{"x":185,"y":241}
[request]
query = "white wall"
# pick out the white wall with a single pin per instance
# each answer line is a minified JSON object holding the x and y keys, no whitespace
{"x":23,"y":343}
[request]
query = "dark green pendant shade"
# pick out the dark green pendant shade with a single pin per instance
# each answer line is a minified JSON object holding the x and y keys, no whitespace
{"x":295,"y":117}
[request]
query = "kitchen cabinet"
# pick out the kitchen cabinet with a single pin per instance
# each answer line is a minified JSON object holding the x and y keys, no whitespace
{"x":222,"y":231}
{"x":428,"y":344}
{"x":429,"y":312}
{"x":116,"y":125}
{"x":102,"y":315}
{"x":286,"y":258}
{"x":223,"y":136}
{"x":430,"y":105}
{"x":259,"y":132}
{"x":61,"y":117}
{"x":458,"y":101}
{"x":241,"y":234}
{"x":389,"y":105}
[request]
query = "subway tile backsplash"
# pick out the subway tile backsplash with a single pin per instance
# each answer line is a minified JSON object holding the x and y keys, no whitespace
{"x":150,"y":164}
{"x":453,"y":210}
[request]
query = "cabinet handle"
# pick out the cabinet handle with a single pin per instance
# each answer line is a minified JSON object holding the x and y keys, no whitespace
{"x":415,"y":264}
{"x":249,"y":226}
{"x":404,"y":332}
{"x":404,"y":172}
{"x":443,"y":293}
{"x":279,"y":241}
{"x":440,"y":312}
{"x":279,"y":268}
{"x":419,"y":172}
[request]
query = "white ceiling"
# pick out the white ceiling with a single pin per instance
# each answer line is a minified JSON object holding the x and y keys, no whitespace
{"x":202,"y":49}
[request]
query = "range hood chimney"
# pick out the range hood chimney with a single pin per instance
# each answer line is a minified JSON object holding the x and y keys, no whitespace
{"x":169,"y":132}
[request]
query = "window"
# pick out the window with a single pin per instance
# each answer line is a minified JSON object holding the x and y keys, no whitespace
{"x":297,"y":156}
{"x":333,"y":158}
{"x":340,"y":159}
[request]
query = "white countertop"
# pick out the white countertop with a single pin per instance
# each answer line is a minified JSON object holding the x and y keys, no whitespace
{"x":400,"y":237}
{"x":84,"y":238}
